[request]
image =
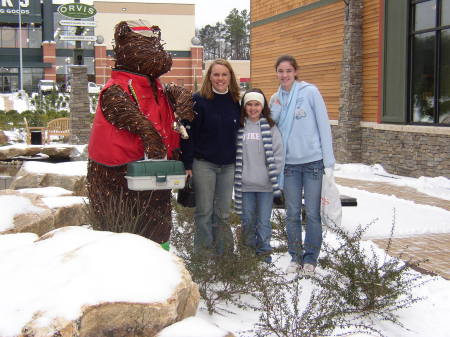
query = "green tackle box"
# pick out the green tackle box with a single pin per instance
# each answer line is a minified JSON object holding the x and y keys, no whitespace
{"x":155,"y":174}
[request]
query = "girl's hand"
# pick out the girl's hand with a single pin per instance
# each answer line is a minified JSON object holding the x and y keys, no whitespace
{"x":188,"y":173}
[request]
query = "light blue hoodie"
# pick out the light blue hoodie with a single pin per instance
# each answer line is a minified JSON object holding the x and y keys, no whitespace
{"x":309,"y":137}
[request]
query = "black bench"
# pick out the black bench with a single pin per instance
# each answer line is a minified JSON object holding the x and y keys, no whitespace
{"x":346,"y":201}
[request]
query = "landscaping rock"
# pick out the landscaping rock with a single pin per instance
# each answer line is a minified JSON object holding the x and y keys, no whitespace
{"x":124,"y":285}
{"x":31,"y":179}
{"x":44,"y":217}
{"x":3,"y":138}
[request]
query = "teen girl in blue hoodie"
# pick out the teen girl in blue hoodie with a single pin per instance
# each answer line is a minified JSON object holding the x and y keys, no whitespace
{"x":300,"y":113}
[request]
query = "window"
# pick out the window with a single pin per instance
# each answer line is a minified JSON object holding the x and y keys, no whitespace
{"x":430,"y":62}
{"x":31,"y":35}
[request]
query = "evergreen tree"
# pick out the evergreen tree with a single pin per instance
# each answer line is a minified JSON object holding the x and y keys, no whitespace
{"x":229,"y":40}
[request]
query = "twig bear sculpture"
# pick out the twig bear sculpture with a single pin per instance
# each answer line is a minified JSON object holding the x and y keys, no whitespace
{"x":136,"y":116}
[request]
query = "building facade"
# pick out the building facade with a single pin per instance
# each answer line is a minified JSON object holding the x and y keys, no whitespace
{"x":402,"y":117}
{"x":45,"y":41}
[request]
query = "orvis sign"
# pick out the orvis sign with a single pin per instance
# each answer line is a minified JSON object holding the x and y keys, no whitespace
{"x":77,"y":11}
{"x":30,"y":10}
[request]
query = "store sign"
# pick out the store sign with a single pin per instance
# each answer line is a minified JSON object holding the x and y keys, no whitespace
{"x":30,"y":10}
{"x":77,"y":11}
{"x":78,"y":23}
{"x":89,"y":38}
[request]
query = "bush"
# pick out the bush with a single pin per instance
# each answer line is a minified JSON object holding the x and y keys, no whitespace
{"x":356,"y":286}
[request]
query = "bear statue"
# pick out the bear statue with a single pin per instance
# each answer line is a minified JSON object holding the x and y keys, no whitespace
{"x":136,"y":117}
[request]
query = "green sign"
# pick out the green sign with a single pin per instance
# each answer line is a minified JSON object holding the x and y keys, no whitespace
{"x":30,"y":11}
{"x":77,"y":10}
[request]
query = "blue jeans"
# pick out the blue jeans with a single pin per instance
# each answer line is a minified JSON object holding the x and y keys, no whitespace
{"x":213,"y":186}
{"x":306,"y":178}
{"x":256,"y":226}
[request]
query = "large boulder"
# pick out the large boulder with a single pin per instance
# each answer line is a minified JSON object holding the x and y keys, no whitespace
{"x":18,"y":151}
{"x":31,"y":211}
{"x":52,"y":151}
{"x":76,"y":282}
{"x":67,"y":175}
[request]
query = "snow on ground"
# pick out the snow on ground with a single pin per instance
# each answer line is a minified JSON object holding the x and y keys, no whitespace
{"x":410,"y":218}
{"x":192,"y":327}
{"x":438,"y":187}
{"x":20,"y":105}
{"x":14,"y":135}
{"x":427,"y":317}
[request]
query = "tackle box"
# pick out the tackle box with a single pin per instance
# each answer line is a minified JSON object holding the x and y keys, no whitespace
{"x":156,"y":174}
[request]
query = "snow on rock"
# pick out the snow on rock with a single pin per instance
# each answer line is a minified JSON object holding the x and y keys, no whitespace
{"x":194,"y":327}
{"x":47,"y":191}
{"x":31,"y":212}
{"x":13,"y":208}
{"x":67,"y":175}
{"x":74,"y":281}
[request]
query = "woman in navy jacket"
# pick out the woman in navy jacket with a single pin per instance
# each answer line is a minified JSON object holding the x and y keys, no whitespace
{"x":209,"y":156}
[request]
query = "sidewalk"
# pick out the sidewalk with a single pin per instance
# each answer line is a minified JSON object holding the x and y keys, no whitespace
{"x":433,"y":249}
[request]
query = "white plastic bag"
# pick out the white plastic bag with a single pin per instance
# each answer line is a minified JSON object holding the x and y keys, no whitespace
{"x":330,"y":206}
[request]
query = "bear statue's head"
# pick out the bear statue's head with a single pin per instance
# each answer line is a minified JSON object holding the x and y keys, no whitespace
{"x":138,"y":48}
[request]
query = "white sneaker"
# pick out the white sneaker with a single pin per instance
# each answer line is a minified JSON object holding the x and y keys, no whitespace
{"x":293,"y":267}
{"x":309,"y":268}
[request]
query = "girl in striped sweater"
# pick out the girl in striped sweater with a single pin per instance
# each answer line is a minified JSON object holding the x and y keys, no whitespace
{"x":259,"y":159}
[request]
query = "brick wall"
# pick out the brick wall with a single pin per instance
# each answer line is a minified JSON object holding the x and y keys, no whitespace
{"x":404,"y":150}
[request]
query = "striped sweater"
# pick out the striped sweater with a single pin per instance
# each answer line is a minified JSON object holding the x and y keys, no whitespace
{"x":259,"y":156}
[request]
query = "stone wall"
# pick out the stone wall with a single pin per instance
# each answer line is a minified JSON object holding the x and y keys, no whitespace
{"x":403,"y":149}
{"x":80,"y":126}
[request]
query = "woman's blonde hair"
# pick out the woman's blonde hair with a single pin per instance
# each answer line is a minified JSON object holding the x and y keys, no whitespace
{"x":206,"y":89}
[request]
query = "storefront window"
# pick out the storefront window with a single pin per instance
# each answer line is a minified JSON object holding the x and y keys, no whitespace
{"x":444,"y":86}
{"x":31,"y":36}
{"x":35,"y":36}
{"x":8,"y":37}
{"x":430,"y":62}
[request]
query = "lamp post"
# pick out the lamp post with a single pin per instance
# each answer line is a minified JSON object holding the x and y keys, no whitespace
{"x":66,"y":74}
{"x":20,"y":50}
{"x":196,"y":42}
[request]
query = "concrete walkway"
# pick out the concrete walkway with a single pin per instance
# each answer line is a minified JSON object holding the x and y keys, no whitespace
{"x":432,"y":249}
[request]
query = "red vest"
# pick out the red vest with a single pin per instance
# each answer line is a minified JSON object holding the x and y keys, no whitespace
{"x":112,"y":147}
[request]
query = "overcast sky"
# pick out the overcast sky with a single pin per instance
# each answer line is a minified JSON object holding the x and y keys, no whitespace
{"x":206,"y":11}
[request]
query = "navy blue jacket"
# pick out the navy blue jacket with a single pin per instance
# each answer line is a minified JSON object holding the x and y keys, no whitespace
{"x":212,"y":133}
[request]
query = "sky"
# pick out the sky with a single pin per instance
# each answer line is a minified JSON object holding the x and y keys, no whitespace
{"x":206,"y":11}
{"x":20,"y":255}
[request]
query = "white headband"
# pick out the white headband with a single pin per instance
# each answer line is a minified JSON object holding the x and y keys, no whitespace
{"x":254,"y":96}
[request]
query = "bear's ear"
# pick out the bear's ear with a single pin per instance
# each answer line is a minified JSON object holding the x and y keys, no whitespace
{"x":121,"y":30}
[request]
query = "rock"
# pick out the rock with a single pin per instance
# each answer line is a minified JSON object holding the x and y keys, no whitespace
{"x":72,"y":215}
{"x":58,"y":152}
{"x":45,"y":217}
{"x":3,"y":138}
{"x":92,"y":284}
{"x":51,"y":175}
{"x":39,"y":221}
{"x":194,"y":327}
{"x":53,"y":152}
{"x":21,"y":150}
